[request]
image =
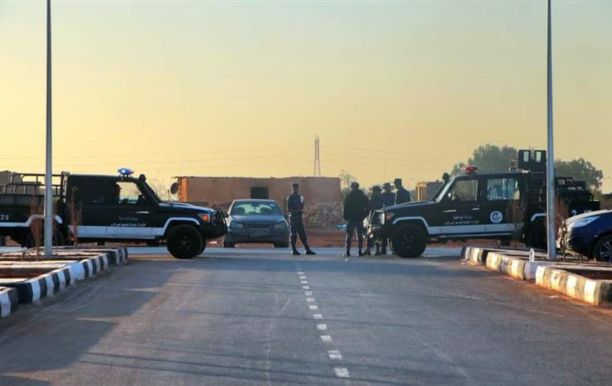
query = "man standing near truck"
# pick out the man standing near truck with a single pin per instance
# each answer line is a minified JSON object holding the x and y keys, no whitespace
{"x":356,"y":209}
{"x":376,"y":203}
{"x":295,"y":208}
{"x":388,"y":199}
{"x":401,"y":194}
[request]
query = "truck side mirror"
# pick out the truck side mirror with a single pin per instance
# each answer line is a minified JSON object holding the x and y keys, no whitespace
{"x":174,"y":188}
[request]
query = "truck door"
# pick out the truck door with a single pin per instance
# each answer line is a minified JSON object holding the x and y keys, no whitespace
{"x":87,"y":202}
{"x":460,"y":209}
{"x":132,"y":213}
{"x":502,"y":208}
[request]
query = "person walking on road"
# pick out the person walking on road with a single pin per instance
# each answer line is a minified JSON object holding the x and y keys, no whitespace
{"x":376,"y":203}
{"x":401,"y":195}
{"x":295,"y":208}
{"x":356,"y":209}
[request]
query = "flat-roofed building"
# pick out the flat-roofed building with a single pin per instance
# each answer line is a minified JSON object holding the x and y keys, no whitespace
{"x":221,"y":191}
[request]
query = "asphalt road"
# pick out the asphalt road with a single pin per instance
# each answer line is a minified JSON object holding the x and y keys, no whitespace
{"x":260,"y":317}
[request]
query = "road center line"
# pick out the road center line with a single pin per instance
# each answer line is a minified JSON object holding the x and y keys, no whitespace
{"x":318,"y":316}
{"x":322,"y":327}
{"x":341,"y":372}
{"x":313,"y":307}
{"x":305,"y":287}
{"x":326,"y":338}
{"x":307,"y":293}
{"x":310,"y":300}
{"x":334,"y":355}
{"x":303,"y":282}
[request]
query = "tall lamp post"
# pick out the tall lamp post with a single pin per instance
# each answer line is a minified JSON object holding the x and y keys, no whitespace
{"x":48,"y":232}
{"x":550,"y":160}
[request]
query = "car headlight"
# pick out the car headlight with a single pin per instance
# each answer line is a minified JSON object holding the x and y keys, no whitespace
{"x":236,"y":225}
{"x":583,"y":222}
{"x":205,"y":217}
{"x":281,"y":226}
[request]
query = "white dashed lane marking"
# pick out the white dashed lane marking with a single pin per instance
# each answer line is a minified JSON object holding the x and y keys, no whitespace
{"x":334,"y":355}
{"x":341,"y":372}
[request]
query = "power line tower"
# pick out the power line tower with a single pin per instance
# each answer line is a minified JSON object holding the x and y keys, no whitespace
{"x":317,"y":159}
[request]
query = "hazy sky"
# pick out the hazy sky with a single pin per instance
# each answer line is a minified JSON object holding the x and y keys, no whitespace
{"x":241,"y":88}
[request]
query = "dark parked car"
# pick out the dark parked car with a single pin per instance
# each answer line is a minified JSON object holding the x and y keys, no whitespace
{"x":590,"y":234}
{"x":256,"y":221}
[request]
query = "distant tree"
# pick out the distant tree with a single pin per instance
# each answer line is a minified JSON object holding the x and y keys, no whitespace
{"x":489,"y":159}
{"x":582,"y":170}
{"x":346,"y":178}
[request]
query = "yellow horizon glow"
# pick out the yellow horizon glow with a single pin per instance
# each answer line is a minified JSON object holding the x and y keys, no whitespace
{"x":393,"y":89}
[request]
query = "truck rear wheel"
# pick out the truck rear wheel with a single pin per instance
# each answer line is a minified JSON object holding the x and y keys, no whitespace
{"x":537,"y":236}
{"x":185,"y":242}
{"x":30,"y":240}
{"x":409,"y":241}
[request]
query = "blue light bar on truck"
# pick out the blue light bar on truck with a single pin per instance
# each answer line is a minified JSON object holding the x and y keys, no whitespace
{"x":125,"y":172}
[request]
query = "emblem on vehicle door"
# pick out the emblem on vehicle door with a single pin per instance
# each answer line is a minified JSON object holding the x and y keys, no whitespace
{"x":496,"y":217}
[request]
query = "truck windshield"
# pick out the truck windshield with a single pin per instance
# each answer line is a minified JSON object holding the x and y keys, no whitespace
{"x":151,"y":193}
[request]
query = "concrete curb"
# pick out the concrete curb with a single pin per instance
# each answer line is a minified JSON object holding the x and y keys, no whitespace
{"x":45,"y":285}
{"x":9,"y":301}
{"x":515,"y":267}
{"x":475,"y":255}
{"x":116,"y":256}
{"x":595,"y":292}
{"x":42,"y":286}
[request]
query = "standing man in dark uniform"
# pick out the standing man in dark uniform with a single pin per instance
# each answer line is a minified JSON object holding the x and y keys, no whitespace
{"x":376,"y":203}
{"x":356,"y":209}
{"x":388,"y":198}
{"x":401,"y":194}
{"x":295,"y":207}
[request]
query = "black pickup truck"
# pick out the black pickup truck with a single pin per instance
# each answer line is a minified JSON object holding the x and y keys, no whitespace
{"x":101,"y":208}
{"x":500,"y":206}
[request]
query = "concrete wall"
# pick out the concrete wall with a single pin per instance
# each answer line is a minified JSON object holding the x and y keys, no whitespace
{"x":221,"y":191}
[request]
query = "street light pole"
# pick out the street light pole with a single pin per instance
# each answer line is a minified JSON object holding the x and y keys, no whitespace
{"x":550,"y":161}
{"x":48,"y":232}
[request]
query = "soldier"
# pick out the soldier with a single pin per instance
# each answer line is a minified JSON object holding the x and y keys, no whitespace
{"x":376,"y":203}
{"x":402,"y":195}
{"x":295,"y":207}
{"x":388,"y":198}
{"x":356,"y":208}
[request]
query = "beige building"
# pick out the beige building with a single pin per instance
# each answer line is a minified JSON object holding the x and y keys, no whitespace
{"x":426,"y":190}
{"x":221,"y":191}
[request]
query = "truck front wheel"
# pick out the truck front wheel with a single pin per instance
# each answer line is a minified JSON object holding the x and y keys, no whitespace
{"x":185,"y":242}
{"x":409,"y":241}
{"x":603,"y":249}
